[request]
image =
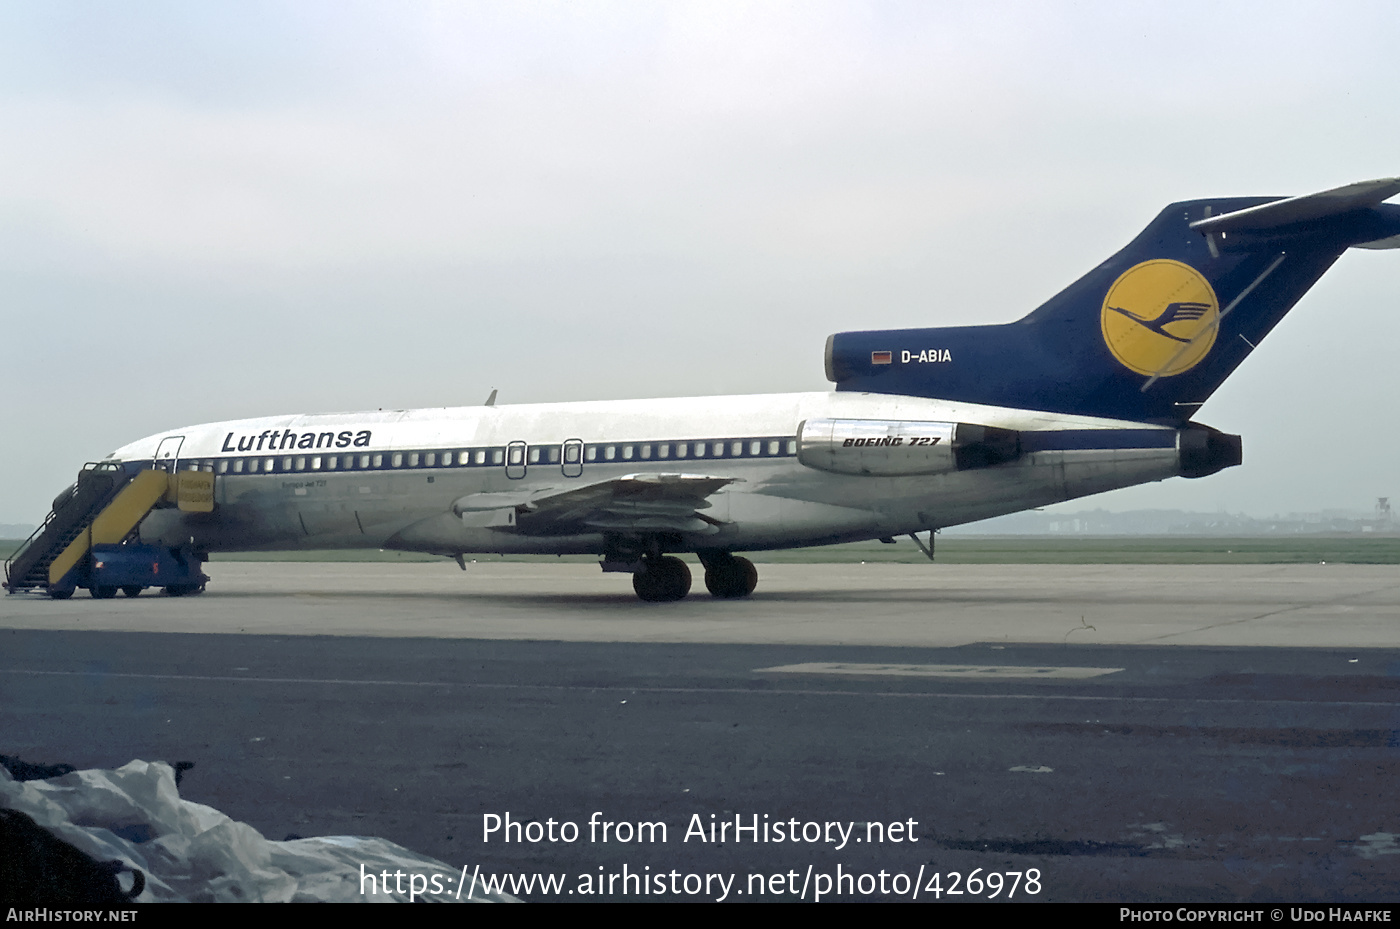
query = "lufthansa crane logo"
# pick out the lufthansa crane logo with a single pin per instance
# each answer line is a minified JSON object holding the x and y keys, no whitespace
{"x":1160,"y":318}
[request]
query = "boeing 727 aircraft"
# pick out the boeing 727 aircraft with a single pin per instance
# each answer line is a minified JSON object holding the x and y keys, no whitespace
{"x":926,"y":428}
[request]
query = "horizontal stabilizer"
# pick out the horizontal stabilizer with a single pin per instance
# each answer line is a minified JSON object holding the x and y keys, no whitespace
{"x":1359,"y":196}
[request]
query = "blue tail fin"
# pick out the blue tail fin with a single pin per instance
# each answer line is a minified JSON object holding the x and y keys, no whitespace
{"x":1149,"y":334}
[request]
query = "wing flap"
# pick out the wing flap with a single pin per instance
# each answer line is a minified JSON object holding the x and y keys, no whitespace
{"x":643,"y":502}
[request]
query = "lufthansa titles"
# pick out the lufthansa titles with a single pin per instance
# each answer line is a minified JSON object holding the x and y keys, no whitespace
{"x":271,"y":440}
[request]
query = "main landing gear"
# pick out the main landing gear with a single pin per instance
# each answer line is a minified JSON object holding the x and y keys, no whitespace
{"x":659,"y":578}
{"x":728,"y":576}
{"x":662,"y":580}
{"x":666,"y":578}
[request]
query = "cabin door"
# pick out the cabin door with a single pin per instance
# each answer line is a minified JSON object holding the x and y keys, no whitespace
{"x":168,"y":452}
{"x":515,"y":460}
{"x":573,"y":458}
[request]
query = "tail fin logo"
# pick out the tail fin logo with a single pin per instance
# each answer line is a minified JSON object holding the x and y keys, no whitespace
{"x":1160,"y":318}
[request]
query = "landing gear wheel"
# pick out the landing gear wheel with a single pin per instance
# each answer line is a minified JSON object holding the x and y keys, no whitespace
{"x":103,"y":593}
{"x":133,"y":590}
{"x":731,"y":577}
{"x":664,"y":580}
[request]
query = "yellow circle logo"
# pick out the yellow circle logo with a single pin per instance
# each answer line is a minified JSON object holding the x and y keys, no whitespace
{"x":1160,"y":318}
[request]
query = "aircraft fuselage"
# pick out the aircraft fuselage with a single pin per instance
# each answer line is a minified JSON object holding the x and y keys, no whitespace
{"x":389,"y":479}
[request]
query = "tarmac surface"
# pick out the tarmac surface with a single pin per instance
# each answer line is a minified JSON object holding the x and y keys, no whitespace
{"x":1134,"y":733}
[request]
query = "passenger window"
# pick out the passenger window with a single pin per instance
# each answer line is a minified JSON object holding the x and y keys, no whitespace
{"x":267,"y":465}
{"x":646,"y":451}
{"x":517,"y":455}
{"x":663,"y":451}
{"x":792,"y":447}
{"x":238,"y":466}
{"x":223,"y":466}
{"x":627,"y":452}
{"x":397,"y":460}
{"x":430,"y":459}
{"x":364,"y":462}
{"x":773,"y":447}
{"x":571,"y":454}
{"x":301,"y":463}
{"x":413,"y":460}
{"x":316,"y":463}
{"x":755,"y":448}
{"x":554,"y":454}
{"x":610,"y":452}
{"x":535,"y":455}
{"x":592,"y":453}
{"x":736,"y":449}
{"x":332,"y":462}
{"x":717,"y":451}
{"x":379,"y":461}
{"x":497,"y":456}
{"x":252,"y":466}
{"x":481,"y":456}
{"x":682,"y":449}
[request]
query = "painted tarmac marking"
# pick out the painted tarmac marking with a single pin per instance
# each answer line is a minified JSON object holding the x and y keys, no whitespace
{"x":746,"y":691}
{"x":958,"y":671}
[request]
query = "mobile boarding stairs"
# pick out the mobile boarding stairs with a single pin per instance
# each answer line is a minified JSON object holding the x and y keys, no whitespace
{"x":89,"y":540}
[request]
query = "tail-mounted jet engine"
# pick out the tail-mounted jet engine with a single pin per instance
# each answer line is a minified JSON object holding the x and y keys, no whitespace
{"x":891,"y":448}
{"x":1204,"y":450}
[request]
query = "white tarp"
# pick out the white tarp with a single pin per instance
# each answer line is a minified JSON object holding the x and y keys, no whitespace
{"x":191,"y":852}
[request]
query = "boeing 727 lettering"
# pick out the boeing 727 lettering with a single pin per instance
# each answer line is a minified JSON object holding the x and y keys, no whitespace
{"x":924,"y":429}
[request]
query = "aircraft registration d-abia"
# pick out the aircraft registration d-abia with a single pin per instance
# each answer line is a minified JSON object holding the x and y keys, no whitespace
{"x":926,"y":428}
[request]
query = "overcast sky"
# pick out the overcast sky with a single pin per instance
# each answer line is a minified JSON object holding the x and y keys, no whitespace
{"x":218,"y":210}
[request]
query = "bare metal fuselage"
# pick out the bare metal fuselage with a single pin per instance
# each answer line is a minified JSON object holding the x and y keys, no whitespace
{"x":396,"y":479}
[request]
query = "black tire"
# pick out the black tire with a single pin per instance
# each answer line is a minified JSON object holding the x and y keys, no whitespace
{"x":103,"y":593}
{"x":731,"y":577}
{"x":61,"y":593}
{"x":133,"y":590}
{"x":665,"y":580}
{"x":179,"y":590}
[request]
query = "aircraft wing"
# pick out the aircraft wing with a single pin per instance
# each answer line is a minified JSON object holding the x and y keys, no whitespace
{"x":646,"y":502}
